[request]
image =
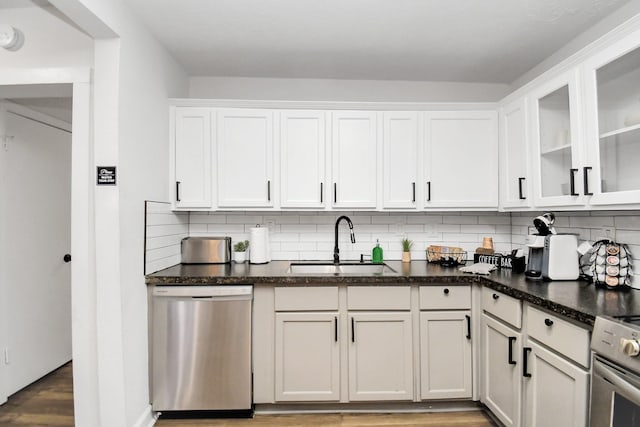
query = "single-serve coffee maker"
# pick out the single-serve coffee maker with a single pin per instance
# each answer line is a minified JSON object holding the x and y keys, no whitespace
{"x":552,"y":256}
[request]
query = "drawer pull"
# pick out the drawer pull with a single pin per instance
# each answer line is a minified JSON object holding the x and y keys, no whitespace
{"x":525,"y":355}
{"x":496,"y":296}
{"x":446,"y":291}
{"x":548,"y":322}
{"x":511,"y":341}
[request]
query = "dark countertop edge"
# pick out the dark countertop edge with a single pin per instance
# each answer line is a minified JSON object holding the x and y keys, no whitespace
{"x":560,"y":309}
{"x":568,"y":312}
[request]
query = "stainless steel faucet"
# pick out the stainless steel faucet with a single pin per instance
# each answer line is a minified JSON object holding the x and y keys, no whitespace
{"x":336,"y":251}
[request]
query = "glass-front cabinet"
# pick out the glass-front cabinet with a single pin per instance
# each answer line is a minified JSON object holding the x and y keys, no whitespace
{"x":557,"y":138}
{"x":612,"y":88}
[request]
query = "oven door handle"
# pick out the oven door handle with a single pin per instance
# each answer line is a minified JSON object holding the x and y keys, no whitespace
{"x":614,"y":378}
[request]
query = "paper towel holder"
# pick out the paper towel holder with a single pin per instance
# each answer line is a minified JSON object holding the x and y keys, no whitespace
{"x":260,"y":252}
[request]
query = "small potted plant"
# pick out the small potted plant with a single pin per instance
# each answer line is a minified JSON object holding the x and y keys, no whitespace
{"x":406,"y":250}
{"x":240,"y":251}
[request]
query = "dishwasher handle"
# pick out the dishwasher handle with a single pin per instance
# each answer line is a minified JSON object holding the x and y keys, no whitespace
{"x":204,"y":292}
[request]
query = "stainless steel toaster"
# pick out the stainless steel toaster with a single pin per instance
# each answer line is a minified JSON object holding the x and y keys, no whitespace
{"x":206,"y":250}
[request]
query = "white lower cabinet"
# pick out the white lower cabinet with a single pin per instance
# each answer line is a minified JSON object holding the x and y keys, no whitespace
{"x":380,"y":356}
{"x":536,"y":377}
{"x":445,"y":354}
{"x":556,"y":390}
{"x":501,"y":367}
{"x":307,"y":357}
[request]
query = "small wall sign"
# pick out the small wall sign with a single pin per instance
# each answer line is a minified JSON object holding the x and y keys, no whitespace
{"x":106,"y":175}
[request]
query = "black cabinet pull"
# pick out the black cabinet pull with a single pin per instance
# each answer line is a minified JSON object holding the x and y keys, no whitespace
{"x":428,"y":191}
{"x":66,"y":258}
{"x":335,"y":193}
{"x":548,"y":322}
{"x":446,"y":291}
{"x":353,"y":330}
{"x":520,"y":181}
{"x":495,"y":296}
{"x":468,"y":326}
{"x":572,"y":178}
{"x":585,"y":177}
{"x":268,"y":191}
{"x":413,"y":189}
{"x":321,"y":191}
{"x":335,"y":328}
{"x":525,"y":356}
{"x":511,"y":341}
{"x":177,"y":191}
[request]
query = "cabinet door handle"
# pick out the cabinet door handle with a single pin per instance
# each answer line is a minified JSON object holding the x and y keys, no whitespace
{"x":548,"y":322}
{"x":428,"y":191}
{"x":525,"y":357}
{"x":511,"y":341}
{"x":572,"y":181}
{"x":413,"y":190}
{"x":268,"y":191}
{"x":321,"y":191}
{"x":335,"y":193}
{"x":468,"y":326}
{"x":353,"y":330}
{"x":177,"y":191}
{"x":495,"y":296}
{"x":335,"y":328}
{"x":520,"y":181}
{"x":585,"y":177}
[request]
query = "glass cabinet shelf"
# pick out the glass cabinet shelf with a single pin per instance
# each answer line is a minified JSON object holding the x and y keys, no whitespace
{"x":620,"y":131}
{"x":556,"y":149}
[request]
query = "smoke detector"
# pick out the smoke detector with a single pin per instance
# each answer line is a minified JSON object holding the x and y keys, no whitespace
{"x":10,"y":38}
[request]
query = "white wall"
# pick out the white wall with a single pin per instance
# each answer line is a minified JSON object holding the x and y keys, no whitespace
{"x":135,"y":76}
{"x":343,"y":90}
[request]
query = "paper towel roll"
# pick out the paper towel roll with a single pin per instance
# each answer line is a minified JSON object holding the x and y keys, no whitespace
{"x":259,"y":251}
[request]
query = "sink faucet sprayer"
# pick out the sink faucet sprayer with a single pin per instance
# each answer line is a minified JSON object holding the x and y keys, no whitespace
{"x":336,"y":251}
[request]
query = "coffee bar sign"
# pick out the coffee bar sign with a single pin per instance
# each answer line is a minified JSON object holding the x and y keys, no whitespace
{"x":106,"y":175}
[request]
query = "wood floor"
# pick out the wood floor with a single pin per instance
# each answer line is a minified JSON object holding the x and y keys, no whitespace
{"x":436,"y":419}
{"x":49,"y":402}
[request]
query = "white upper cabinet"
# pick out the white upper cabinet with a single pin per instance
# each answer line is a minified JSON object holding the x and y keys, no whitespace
{"x":302,"y":159}
{"x":245,"y":158}
{"x":461,"y":159}
{"x":355,"y":154}
{"x":556,"y":133}
{"x":192,"y":158}
{"x":400,"y":159}
{"x":514,"y":160}
{"x":612,"y":91}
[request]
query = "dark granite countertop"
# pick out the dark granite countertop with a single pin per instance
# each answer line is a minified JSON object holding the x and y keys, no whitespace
{"x":577,"y":300}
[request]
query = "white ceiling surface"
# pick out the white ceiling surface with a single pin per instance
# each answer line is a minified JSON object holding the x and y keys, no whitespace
{"x":491,"y":41}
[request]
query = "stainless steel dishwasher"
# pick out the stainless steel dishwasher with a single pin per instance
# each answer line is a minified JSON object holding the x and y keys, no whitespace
{"x":201,"y":348}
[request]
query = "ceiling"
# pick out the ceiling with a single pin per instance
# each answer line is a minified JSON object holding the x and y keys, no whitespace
{"x":492,"y":41}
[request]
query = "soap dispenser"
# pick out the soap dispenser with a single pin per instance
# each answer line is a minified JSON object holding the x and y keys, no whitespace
{"x":376,"y":254}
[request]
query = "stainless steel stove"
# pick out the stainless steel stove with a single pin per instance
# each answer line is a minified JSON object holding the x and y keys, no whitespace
{"x":615,"y":383}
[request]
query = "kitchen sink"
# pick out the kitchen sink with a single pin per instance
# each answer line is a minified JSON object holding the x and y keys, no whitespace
{"x":343,"y":268}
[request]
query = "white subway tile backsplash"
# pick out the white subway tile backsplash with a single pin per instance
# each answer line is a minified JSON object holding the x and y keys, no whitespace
{"x":591,"y":221}
{"x":486,"y":229}
{"x":466,"y":219}
{"x":309,"y":235}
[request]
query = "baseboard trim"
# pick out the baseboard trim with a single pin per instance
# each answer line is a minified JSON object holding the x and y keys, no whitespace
{"x":147,"y":419}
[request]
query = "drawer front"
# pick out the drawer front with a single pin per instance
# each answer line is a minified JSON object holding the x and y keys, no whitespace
{"x":379,"y":298}
{"x":502,"y":306}
{"x":306,"y":298}
{"x":560,"y":335}
{"x":445,"y":297}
